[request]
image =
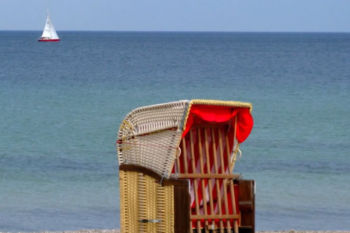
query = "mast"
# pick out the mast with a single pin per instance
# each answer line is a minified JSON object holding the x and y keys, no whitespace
{"x":48,"y":16}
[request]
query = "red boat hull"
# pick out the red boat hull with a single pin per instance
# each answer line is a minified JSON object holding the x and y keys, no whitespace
{"x":49,"y":40}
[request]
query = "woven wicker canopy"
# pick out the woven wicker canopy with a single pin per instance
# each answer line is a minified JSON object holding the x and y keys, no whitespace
{"x":150,"y":136}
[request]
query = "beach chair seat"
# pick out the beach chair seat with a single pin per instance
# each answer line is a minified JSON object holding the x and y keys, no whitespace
{"x":182,"y":154}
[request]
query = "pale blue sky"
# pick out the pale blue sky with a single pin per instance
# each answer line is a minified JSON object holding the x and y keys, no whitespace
{"x":179,"y":15}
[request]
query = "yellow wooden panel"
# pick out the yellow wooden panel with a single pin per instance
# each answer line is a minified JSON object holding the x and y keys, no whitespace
{"x":142,"y":198}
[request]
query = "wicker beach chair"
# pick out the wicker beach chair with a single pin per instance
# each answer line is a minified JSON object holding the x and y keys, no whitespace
{"x":176,"y":168}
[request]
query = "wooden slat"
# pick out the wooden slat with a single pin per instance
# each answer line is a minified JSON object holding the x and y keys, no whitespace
{"x":217,"y":181}
{"x":184,"y":156}
{"x":208,"y":176}
{"x":209,"y":172}
{"x":232,"y":163}
{"x":200,"y":150}
{"x":216,"y":216}
{"x":228,"y":225}
{"x":195,"y":181}
{"x":232,"y":191}
{"x":184,"y":152}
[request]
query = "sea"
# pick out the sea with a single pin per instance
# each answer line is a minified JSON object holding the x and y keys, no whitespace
{"x":61,"y":105}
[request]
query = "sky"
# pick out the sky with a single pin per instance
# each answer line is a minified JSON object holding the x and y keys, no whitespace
{"x":178,"y":15}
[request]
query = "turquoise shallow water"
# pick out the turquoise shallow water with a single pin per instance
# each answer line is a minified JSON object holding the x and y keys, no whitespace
{"x":62,"y":103}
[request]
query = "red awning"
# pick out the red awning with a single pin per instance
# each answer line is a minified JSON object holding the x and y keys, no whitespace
{"x":200,"y":114}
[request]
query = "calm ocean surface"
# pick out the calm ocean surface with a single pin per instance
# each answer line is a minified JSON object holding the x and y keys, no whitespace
{"x":61,"y":105}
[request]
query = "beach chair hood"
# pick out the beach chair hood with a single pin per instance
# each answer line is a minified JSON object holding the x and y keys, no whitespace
{"x":150,"y":136}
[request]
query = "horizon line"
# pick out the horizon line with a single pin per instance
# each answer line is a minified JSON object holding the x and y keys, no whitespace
{"x":178,"y":31}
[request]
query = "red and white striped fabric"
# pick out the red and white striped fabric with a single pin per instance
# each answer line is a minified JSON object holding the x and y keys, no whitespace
{"x":211,"y":137}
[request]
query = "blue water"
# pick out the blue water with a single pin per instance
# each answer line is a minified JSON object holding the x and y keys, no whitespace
{"x":61,"y":105}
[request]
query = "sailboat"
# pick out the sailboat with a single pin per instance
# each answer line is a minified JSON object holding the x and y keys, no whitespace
{"x":49,"y":33}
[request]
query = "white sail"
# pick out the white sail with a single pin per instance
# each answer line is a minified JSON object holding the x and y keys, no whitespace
{"x":49,"y":30}
{"x":53,"y":32}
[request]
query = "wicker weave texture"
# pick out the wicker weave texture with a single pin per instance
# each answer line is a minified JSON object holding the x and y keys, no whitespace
{"x":155,"y":151}
{"x":149,"y":136}
{"x":143,"y":198}
{"x":152,"y":118}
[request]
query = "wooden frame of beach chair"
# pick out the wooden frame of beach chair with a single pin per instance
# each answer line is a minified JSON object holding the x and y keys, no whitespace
{"x":176,"y":168}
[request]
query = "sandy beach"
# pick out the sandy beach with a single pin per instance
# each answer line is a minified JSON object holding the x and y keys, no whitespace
{"x":118,"y":231}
